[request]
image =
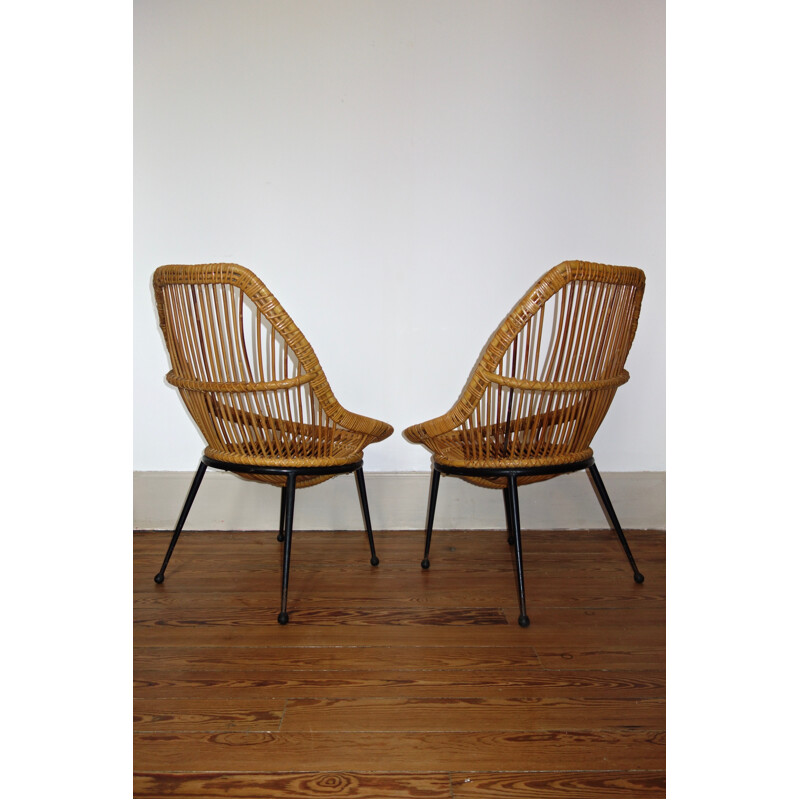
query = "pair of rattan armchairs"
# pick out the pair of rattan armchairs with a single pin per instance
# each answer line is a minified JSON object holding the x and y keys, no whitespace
{"x":536,"y":397}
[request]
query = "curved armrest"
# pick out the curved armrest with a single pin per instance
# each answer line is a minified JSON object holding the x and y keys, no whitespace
{"x":357,"y":423}
{"x":421,"y":432}
{"x":237,"y":386}
{"x":556,"y":386}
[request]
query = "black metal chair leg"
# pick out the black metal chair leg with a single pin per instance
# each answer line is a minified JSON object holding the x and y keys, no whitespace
{"x":283,"y":617}
{"x":434,"y":491}
{"x":606,"y":501}
{"x":506,"y":503}
{"x":198,"y":479}
{"x":281,"y":527}
{"x":513,"y":513}
{"x":362,"y":496}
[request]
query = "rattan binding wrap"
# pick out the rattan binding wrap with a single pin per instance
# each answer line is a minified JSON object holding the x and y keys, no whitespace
{"x":545,"y":380}
{"x":248,"y":376}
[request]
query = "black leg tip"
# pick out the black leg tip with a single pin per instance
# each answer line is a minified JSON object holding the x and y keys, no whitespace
{"x":283,"y":618}
{"x":523,"y":621}
{"x":281,"y":537}
{"x":159,"y":578}
{"x":638,"y":577}
{"x":425,"y":563}
{"x":374,"y":561}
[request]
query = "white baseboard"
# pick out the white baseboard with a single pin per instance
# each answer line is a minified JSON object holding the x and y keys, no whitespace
{"x":397,"y":501}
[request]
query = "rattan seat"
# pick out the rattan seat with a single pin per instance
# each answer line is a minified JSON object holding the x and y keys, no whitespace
{"x":538,"y":393}
{"x":256,"y":390}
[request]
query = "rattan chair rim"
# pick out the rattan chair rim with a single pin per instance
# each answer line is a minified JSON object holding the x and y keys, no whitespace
{"x":514,"y":463}
{"x":489,"y":468}
{"x":292,"y":463}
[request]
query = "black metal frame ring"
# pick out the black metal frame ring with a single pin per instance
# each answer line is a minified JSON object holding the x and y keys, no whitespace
{"x":250,"y":469}
{"x":518,"y":472}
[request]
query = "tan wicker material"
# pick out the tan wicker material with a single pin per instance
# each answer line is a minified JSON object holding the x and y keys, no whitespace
{"x":249,"y":378}
{"x":546,"y":378}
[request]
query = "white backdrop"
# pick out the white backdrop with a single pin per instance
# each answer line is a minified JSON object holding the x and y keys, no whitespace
{"x":398,"y":173}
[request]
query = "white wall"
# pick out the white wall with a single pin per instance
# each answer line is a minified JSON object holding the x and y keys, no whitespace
{"x":398,"y":173}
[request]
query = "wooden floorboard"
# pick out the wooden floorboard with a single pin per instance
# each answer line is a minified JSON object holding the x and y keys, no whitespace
{"x":424,"y":751}
{"x":393,"y":681}
{"x":255,"y":685}
{"x":296,"y":784}
{"x":473,"y":714}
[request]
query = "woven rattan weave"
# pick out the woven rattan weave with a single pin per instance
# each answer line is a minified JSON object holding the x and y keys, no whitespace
{"x":256,"y":390}
{"x":539,"y":391}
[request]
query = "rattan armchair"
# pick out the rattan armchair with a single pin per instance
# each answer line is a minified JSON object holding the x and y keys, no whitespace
{"x":257,"y":392}
{"x":538,"y":393}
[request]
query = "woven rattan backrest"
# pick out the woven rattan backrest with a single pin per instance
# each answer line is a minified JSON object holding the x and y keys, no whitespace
{"x":247,"y":375}
{"x":546,"y":378}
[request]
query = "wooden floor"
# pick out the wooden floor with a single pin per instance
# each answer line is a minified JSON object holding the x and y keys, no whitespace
{"x":392,"y":681}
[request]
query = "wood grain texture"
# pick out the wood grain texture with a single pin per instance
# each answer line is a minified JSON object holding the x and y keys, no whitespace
{"x":212,"y":659}
{"x":443,"y":587}
{"x":473,"y":714}
{"x":292,"y":784}
{"x":406,"y":683}
{"x":641,"y":784}
{"x":207,"y":714}
{"x":412,"y":751}
{"x":394,"y":681}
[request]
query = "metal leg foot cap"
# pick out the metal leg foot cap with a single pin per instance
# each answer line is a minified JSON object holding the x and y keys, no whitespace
{"x":159,"y":578}
{"x":425,"y":563}
{"x":638,"y":577}
{"x":283,"y":618}
{"x":523,"y":621}
{"x":374,"y":561}
{"x":281,"y":537}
